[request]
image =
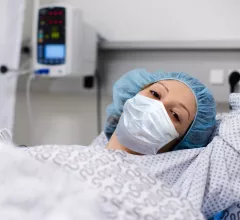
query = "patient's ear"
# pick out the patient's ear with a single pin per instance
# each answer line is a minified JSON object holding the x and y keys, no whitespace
{"x":168,"y":147}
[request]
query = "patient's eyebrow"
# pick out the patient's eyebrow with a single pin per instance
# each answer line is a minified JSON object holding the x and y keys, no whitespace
{"x":163,"y":86}
{"x":183,"y":106}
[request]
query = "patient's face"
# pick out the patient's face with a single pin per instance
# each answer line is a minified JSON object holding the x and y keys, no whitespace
{"x":180,"y":104}
{"x":178,"y":100}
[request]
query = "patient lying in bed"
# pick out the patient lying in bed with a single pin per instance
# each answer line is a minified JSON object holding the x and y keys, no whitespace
{"x":158,"y":186}
{"x":208,"y":177}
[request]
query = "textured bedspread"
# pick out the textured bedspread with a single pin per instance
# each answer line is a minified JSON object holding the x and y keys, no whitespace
{"x":75,"y":182}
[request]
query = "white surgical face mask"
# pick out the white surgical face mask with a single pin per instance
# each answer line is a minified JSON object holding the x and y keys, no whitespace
{"x":145,"y":126}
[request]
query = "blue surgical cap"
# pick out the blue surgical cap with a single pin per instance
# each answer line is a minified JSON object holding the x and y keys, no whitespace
{"x":131,"y":83}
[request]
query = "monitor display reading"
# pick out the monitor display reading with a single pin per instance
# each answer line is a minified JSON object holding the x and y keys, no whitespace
{"x":54,"y":51}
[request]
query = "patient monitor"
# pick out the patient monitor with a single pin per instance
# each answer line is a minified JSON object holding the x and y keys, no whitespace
{"x":63,"y":45}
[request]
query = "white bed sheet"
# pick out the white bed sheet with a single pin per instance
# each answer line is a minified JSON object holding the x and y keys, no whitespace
{"x":76,"y":182}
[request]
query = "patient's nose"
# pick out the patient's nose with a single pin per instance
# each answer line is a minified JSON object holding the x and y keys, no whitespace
{"x":167,"y":103}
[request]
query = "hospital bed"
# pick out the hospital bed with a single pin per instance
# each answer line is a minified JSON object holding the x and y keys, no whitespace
{"x":178,"y":183}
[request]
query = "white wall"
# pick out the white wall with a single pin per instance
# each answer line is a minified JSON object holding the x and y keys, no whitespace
{"x":27,"y":29}
{"x":143,"y":20}
{"x":196,"y":63}
{"x":130,"y":20}
{"x":158,"y":20}
{"x":11,"y":22}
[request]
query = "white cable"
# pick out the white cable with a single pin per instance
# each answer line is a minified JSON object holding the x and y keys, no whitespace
{"x":20,"y":73}
{"x":29,"y":106}
{"x":25,"y":68}
{"x":5,"y":135}
{"x":26,"y":64}
{"x":24,"y":72}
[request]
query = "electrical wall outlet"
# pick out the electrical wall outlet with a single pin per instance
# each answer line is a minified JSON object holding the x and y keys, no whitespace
{"x":217,"y":76}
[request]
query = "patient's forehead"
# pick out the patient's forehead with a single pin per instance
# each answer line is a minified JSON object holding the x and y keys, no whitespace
{"x":175,"y":84}
{"x":177,"y":87}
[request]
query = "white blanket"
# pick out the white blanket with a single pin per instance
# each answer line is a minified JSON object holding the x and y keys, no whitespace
{"x":32,"y":190}
{"x":74,"y":182}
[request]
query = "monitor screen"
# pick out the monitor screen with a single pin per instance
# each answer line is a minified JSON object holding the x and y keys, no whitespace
{"x":54,"y":51}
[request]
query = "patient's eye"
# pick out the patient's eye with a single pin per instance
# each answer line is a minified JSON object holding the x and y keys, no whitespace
{"x":175,"y":115}
{"x":155,"y":94}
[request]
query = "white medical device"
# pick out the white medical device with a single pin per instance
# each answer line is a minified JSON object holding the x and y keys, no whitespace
{"x":64,"y":45}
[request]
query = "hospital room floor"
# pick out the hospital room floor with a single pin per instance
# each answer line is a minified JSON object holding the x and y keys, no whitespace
{"x":61,"y":118}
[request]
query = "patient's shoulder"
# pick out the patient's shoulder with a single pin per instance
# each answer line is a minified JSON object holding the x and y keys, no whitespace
{"x":234,"y":101}
{"x":100,"y":140}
